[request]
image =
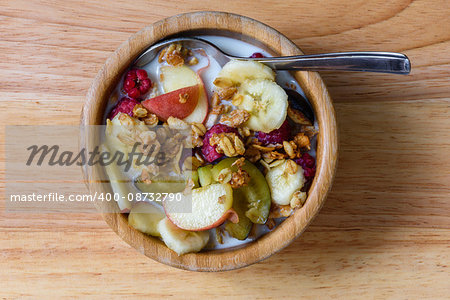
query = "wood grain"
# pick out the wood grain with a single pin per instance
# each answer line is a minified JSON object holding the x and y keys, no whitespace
{"x":385,"y":228}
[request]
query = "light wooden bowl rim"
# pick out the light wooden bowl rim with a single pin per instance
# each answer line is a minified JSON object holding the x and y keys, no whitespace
{"x":314,"y":89}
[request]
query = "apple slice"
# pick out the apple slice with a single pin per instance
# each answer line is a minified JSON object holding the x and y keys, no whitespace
{"x":177,"y":77}
{"x":211,"y":206}
{"x":170,"y":104}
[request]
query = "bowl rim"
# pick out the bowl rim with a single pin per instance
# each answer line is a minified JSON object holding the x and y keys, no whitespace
{"x":310,"y":82}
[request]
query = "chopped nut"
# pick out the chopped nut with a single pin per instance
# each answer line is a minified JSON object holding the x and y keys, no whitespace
{"x":183,"y":98}
{"x":173,"y":54}
{"x":227,"y":93}
{"x":235,"y":118}
{"x":145,"y":177}
{"x":177,"y":124}
{"x":280,"y":211}
{"x":139,"y":111}
{"x":224,"y":175}
{"x":302,"y":141}
{"x":289,"y":148}
{"x":270,"y":223}
{"x":193,"y":61}
{"x":239,"y":178}
{"x":222,"y":199}
{"x":291,"y":166}
{"x":298,"y":199}
{"x":151,"y":120}
{"x":239,"y":163}
{"x":223,"y":82}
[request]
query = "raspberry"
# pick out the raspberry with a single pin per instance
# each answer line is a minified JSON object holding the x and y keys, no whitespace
{"x":276,"y":136}
{"x":208,"y":151}
{"x":308,"y":164}
{"x":125,"y":105}
{"x":136,"y":83}
{"x":257,"y":55}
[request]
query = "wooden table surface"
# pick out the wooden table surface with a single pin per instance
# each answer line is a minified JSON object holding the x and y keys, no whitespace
{"x":385,"y":228}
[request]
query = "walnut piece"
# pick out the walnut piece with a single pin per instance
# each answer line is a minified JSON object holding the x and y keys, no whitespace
{"x":280,"y":211}
{"x":302,"y":141}
{"x":239,"y":178}
{"x":183,"y":98}
{"x":226,"y":93}
{"x":298,"y":199}
{"x":222,"y":199}
{"x":173,"y":54}
{"x":235,"y":118}
{"x":193,"y":61}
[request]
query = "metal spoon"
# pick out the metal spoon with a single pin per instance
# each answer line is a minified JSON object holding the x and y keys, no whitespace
{"x":382,"y":62}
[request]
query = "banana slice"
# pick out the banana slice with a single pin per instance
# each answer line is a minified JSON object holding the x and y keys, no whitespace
{"x":145,"y":217}
{"x":182,"y":241}
{"x":283,"y":184}
{"x":237,"y":71}
{"x":266,"y":102}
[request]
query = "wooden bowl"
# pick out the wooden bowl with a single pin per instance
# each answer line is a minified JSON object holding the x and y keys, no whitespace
{"x":239,"y":27}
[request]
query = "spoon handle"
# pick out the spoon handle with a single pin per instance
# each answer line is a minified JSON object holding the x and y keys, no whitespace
{"x":383,"y":62}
